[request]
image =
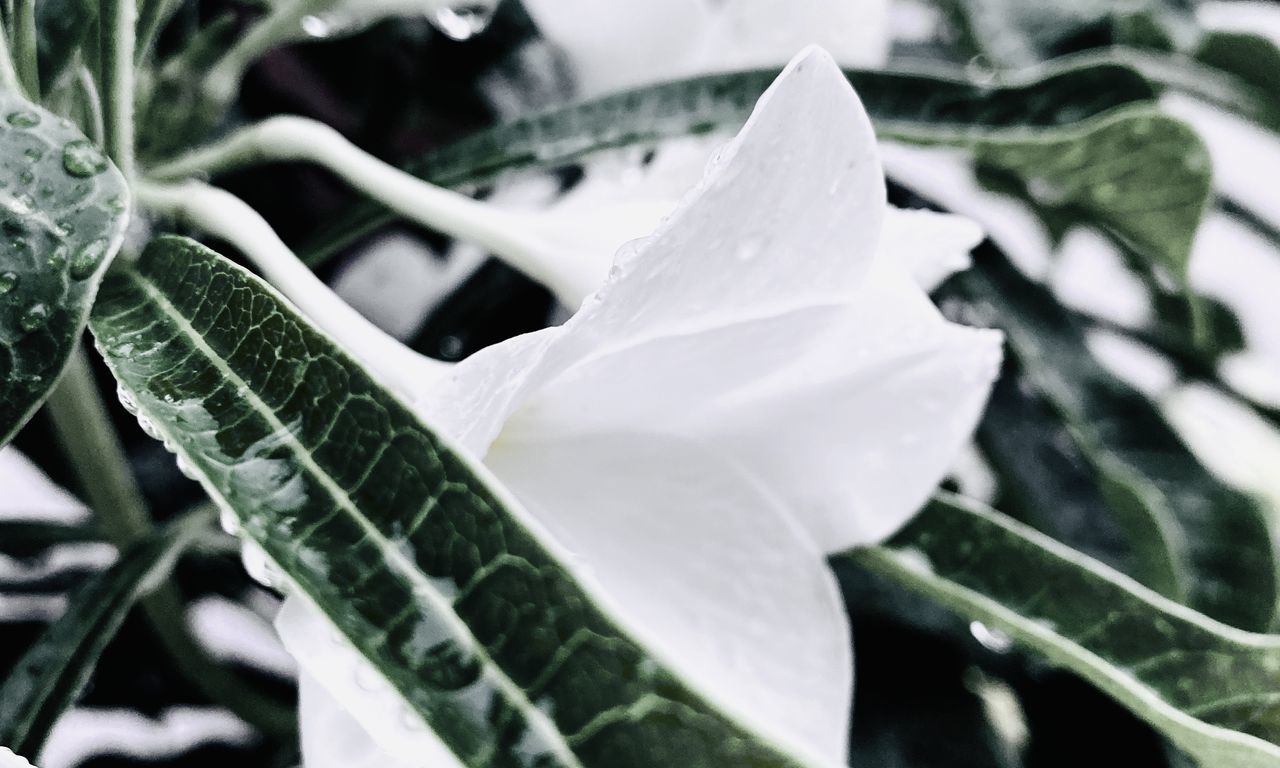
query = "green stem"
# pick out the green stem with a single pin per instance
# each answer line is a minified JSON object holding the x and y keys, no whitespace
{"x":119,"y":19}
{"x":85,"y":432}
{"x":8,"y":75}
{"x":24,"y":47}
{"x":283,"y":24}
{"x":152,"y":17}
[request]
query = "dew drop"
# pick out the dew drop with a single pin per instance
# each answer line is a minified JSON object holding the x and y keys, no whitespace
{"x":8,"y":282}
{"x":316,"y":26}
{"x":87,"y":259}
{"x":23,"y":119}
{"x":257,"y":565}
{"x":34,"y":318}
{"x":748,"y":249}
{"x":148,"y":427}
{"x":229,"y":522}
{"x":83,"y":159}
{"x":992,"y":639}
{"x":33,"y":154}
{"x":463,"y":21}
{"x":411,"y":720}
{"x":367,"y":678}
{"x":185,"y":467}
{"x":127,"y":401}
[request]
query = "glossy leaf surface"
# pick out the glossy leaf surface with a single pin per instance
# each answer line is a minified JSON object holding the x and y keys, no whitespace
{"x":407,"y":547}
{"x":63,"y":211}
{"x":1211,"y":689}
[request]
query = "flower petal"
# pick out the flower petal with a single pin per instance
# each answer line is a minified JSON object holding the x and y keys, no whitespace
{"x":370,"y":725}
{"x":788,"y":214}
{"x":851,"y":413}
{"x":705,"y":567}
{"x":332,"y":738}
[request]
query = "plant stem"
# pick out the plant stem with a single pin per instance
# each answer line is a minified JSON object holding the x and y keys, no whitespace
{"x":91,"y":102}
{"x":151,"y":18}
{"x":24,"y":47}
{"x":228,"y":218}
{"x":8,"y":75}
{"x":530,"y":244}
{"x":84,"y":429}
{"x":119,"y":19}
{"x":281,"y":25}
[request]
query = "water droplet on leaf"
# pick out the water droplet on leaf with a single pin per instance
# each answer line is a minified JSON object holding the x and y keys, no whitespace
{"x":83,"y":159}
{"x":464,"y":20}
{"x":316,"y":26}
{"x":87,"y":259}
{"x":23,"y":119}
{"x":34,"y":318}
{"x":8,"y":282}
{"x":127,"y":401}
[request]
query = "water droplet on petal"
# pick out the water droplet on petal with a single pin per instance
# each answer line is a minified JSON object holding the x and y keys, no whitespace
{"x":368,"y":678}
{"x":8,"y":282}
{"x":316,"y":26}
{"x":463,"y":21}
{"x":82,"y":159}
{"x":23,"y":119}
{"x":87,"y":259}
{"x":34,"y":318}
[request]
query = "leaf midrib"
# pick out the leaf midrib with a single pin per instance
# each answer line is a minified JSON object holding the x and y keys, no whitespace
{"x":401,"y":565}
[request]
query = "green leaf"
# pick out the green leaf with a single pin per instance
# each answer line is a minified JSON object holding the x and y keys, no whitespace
{"x":1193,"y":538}
{"x":1014,"y":34}
{"x":1142,"y":176}
{"x":1211,"y":689}
{"x":393,"y":535}
{"x":910,"y":106}
{"x":63,"y":211}
{"x":47,"y":680}
{"x":29,"y":539}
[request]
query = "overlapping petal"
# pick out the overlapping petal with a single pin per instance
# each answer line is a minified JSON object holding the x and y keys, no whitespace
{"x":756,"y":384}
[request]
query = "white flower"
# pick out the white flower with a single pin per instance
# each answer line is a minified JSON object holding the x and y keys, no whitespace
{"x":616,"y":44}
{"x":9,"y":760}
{"x":754,"y":386}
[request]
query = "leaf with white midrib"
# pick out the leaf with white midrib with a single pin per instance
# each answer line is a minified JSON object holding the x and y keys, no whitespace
{"x":1211,"y":689}
{"x":404,"y":545}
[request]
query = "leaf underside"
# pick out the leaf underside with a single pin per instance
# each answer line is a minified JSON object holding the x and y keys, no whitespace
{"x":1214,"y":691}
{"x":397,"y":540}
{"x":63,"y":210}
